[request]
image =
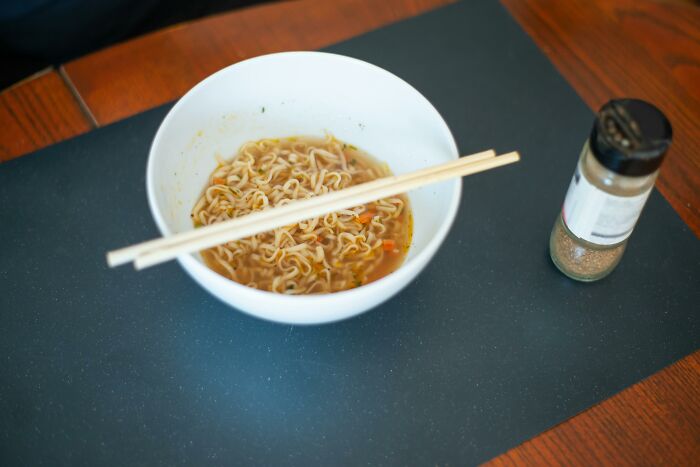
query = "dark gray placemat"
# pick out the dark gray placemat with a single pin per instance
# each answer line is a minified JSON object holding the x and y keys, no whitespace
{"x":489,"y":347}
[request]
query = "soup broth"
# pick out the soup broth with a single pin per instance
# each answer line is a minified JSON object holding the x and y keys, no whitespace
{"x":338,"y":251}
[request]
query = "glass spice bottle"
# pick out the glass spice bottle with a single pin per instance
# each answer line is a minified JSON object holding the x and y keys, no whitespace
{"x":616,"y":171}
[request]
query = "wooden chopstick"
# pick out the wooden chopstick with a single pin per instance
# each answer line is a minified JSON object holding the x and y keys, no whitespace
{"x":127,"y":254}
{"x":161,"y":250}
{"x":305,"y":209}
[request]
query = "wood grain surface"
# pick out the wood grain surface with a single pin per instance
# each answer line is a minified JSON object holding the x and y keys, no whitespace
{"x":605,"y":49}
{"x":655,"y":422}
{"x":636,"y":49}
{"x":137,"y":75}
{"x":36,"y":113}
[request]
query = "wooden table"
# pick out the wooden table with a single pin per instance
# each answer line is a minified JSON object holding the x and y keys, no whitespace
{"x":605,"y":49}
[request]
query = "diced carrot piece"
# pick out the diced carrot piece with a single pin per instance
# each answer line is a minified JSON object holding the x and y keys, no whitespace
{"x":388,"y":245}
{"x":366,"y":216}
{"x":219,"y":181}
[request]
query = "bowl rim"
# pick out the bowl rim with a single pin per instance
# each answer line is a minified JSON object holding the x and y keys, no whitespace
{"x":188,"y":261}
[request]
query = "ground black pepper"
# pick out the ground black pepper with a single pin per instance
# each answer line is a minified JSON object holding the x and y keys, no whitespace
{"x":615,"y":174}
{"x":584,"y":263}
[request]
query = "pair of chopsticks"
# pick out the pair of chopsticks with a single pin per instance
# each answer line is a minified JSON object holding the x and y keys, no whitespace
{"x":164,"y":249}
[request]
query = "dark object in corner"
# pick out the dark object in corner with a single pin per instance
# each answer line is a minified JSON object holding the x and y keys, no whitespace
{"x":35,"y":34}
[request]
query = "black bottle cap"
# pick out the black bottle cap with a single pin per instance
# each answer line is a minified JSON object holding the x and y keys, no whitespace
{"x":630,"y":137}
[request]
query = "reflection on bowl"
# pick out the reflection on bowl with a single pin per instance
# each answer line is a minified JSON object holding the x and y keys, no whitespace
{"x":302,"y":93}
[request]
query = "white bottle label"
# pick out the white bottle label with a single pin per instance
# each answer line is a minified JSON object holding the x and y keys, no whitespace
{"x":597,"y":216}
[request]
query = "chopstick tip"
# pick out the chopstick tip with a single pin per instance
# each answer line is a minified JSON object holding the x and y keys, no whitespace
{"x":515,"y":155}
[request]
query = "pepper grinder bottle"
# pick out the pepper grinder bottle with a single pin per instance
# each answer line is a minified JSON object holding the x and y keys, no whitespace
{"x":614,"y":176}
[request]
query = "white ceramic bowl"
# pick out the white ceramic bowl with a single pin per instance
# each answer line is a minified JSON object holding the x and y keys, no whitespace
{"x":302,"y":93}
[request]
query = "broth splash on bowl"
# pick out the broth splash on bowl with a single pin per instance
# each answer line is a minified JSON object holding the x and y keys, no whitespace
{"x":335,"y":252}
